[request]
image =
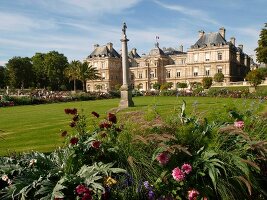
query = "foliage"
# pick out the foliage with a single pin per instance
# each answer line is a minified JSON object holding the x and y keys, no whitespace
{"x":261,"y":50}
{"x":87,"y":72}
{"x":72,"y":73}
{"x":207,"y":82}
{"x":189,"y":157}
{"x":41,"y":76}
{"x":182,"y":85}
{"x":20,"y":72}
{"x":255,"y":77}
{"x":218,"y":77}
{"x":3,"y":77}
{"x":156,"y":86}
{"x":166,"y":86}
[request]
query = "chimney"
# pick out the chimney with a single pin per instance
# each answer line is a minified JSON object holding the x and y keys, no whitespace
{"x":201,"y":33}
{"x":232,"y":40}
{"x":240,"y":46}
{"x":181,"y":48}
{"x":222,"y":32}
{"x":110,"y":46}
{"x":134,"y":51}
{"x":96,"y":45}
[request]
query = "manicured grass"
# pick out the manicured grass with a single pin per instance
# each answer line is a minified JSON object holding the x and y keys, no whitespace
{"x":38,"y":127}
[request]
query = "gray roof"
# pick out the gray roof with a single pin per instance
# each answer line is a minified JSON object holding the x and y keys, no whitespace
{"x":133,"y":55}
{"x":156,"y":51}
{"x":210,"y":39}
{"x":104,"y":51}
{"x":172,"y":51}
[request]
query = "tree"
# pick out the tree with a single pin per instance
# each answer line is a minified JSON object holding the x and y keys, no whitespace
{"x":263,"y":71}
{"x":20,"y":72}
{"x":207,"y":82}
{"x":261,"y":50}
{"x":86,"y":72}
{"x":156,"y":86}
{"x":182,"y":85}
{"x":255,"y":77}
{"x":55,"y":64}
{"x":72,"y":72}
{"x":3,"y":74}
{"x":218,"y":77}
{"x":166,"y":86}
{"x":39,"y":69}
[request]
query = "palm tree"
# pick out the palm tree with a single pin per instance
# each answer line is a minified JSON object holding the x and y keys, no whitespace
{"x":87,"y":72}
{"x":72,"y":72}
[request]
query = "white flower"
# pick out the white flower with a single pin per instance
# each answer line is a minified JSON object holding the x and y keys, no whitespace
{"x":32,"y":162}
{"x":5,"y":178}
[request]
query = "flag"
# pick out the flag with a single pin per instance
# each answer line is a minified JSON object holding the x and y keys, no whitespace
{"x":157,"y":37}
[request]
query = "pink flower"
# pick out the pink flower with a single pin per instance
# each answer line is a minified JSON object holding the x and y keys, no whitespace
{"x":239,"y":124}
{"x":178,"y":174}
{"x":192,"y":194}
{"x":163,"y":158}
{"x":186,"y":168}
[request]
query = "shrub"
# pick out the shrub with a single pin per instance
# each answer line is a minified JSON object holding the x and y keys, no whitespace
{"x":218,"y":77}
{"x":206,"y":82}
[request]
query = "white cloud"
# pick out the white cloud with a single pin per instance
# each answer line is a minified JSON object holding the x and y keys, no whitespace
{"x":17,"y":22}
{"x":3,"y":62}
{"x":195,"y":13}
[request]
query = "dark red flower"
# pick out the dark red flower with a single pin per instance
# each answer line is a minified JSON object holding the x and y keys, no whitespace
{"x":95,"y":114}
{"x":75,"y":118}
{"x":80,"y":189}
{"x":112,"y":118}
{"x":72,"y":124}
{"x":67,"y":110}
{"x":96,"y":144}
{"x":74,"y":111}
{"x":105,"y":125}
{"x":87,"y":196}
{"x":64,"y":133}
{"x":71,"y":111}
{"x":74,"y":140}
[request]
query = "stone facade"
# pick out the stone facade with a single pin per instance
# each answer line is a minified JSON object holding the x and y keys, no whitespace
{"x":209,"y":55}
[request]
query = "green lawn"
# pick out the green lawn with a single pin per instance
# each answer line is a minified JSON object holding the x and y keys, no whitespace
{"x":25,"y":128}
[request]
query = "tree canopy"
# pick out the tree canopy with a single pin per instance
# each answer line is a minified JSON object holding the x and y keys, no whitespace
{"x":3,"y":76}
{"x":218,"y":77}
{"x":255,"y":77}
{"x":20,"y":72}
{"x":261,"y":50}
{"x":207,"y":82}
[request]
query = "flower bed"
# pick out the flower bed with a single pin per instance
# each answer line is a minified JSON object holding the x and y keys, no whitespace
{"x":186,"y":158}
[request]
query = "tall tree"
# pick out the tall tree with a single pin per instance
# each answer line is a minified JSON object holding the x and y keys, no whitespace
{"x":261,"y":50}
{"x":40,"y":70}
{"x":2,"y":77}
{"x":87,"y":72}
{"x":20,"y":72}
{"x":255,"y":77}
{"x":72,"y":72}
{"x":55,"y":64}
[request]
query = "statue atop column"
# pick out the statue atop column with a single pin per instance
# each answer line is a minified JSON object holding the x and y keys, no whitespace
{"x":126,"y":93}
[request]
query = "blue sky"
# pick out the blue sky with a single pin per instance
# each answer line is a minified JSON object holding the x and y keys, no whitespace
{"x":72,"y":27}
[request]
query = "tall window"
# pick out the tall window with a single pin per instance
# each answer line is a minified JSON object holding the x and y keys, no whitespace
{"x":207,"y":71}
{"x":219,"y":69}
{"x":207,"y":56}
{"x":152,"y":75}
{"x":219,"y":56}
{"x":103,"y":75}
{"x":132,"y":76}
{"x":195,"y":57}
{"x":140,"y":75}
{"x":195,"y":71}
{"x":103,"y":65}
{"x":178,"y":73}
{"x":168,"y":74}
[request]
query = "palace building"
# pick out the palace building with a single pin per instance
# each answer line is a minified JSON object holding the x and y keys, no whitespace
{"x":211,"y":54}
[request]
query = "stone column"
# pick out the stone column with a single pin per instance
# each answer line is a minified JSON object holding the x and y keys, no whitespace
{"x":126,"y":93}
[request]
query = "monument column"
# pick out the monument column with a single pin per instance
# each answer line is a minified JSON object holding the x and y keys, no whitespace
{"x":126,"y":92}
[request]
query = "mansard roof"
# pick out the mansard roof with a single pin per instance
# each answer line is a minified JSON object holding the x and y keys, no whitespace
{"x":210,"y":39}
{"x":104,"y":51}
{"x":171,"y":51}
